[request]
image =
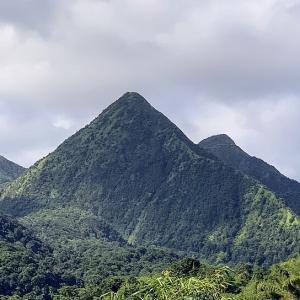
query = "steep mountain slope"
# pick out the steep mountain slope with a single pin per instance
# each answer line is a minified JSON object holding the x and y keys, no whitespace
{"x":9,"y":170}
{"x":137,"y":171}
{"x":226,"y":150}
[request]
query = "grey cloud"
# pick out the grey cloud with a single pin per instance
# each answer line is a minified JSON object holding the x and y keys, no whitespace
{"x":29,"y":14}
{"x":210,"y":66}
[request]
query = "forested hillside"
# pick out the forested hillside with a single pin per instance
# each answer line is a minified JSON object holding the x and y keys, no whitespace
{"x":86,"y":247}
{"x":9,"y":170}
{"x":135,"y":175}
{"x":68,"y":255}
{"x":26,"y":264}
{"x":226,"y":150}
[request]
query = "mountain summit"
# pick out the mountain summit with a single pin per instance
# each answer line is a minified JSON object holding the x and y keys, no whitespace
{"x":227,"y":151}
{"x":217,"y":141}
{"x":134,"y":169}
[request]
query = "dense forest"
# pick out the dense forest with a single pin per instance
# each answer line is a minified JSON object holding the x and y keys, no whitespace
{"x":129,"y":208}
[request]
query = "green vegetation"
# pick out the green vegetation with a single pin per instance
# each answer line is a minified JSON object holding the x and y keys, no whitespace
{"x":26,"y":265}
{"x":9,"y":170}
{"x":223,"y":147}
{"x":264,"y":238}
{"x":135,"y":173}
{"x":86,"y":247}
{"x":281,"y":281}
{"x":189,"y":279}
{"x":128,"y":195}
{"x":30,"y":268}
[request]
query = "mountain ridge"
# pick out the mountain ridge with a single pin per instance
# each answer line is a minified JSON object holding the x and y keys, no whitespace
{"x":234,"y":156}
{"x":9,"y":170}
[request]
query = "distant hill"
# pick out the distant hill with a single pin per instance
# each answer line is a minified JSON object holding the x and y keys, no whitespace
{"x":226,"y":150}
{"x":134,"y":170}
{"x":9,"y":170}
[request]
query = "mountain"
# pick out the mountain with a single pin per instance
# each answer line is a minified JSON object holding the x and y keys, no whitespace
{"x":226,"y":150}
{"x":9,"y":170}
{"x":135,"y":170}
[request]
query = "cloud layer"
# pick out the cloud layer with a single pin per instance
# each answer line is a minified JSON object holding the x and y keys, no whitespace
{"x":211,"y":66}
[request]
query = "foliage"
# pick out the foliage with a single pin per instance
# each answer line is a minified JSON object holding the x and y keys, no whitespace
{"x":211,"y":284}
{"x":9,"y":170}
{"x":26,"y":264}
{"x":281,"y":281}
{"x":23,"y":272}
{"x":86,"y":247}
{"x":200,"y":281}
{"x":266,"y":239}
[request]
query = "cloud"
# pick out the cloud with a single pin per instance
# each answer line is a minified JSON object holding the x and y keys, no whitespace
{"x":62,"y":123}
{"x":29,"y":14}
{"x":266,"y":129}
{"x":211,"y":66}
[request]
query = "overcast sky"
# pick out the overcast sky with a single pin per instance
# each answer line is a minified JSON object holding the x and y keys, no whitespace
{"x":211,"y":66}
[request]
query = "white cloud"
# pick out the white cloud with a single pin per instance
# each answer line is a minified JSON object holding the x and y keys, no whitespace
{"x":266,"y":128}
{"x":23,"y":67}
{"x":63,"y":123}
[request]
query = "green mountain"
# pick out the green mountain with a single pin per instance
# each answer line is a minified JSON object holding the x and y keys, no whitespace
{"x":133,"y":169}
{"x":9,"y":170}
{"x":226,"y":150}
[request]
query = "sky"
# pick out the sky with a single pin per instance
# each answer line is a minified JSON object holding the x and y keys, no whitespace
{"x":211,"y":66}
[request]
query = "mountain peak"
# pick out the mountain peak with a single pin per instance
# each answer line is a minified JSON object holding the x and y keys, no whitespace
{"x":217,"y":140}
{"x":132,"y":98}
{"x":133,"y":95}
{"x":129,"y":104}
